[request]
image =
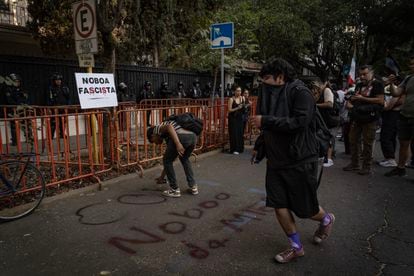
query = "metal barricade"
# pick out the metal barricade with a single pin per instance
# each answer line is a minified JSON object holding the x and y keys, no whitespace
{"x":132,"y":147}
{"x":68,"y":155}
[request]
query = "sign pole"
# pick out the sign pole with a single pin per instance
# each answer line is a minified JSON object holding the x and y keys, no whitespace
{"x":95,"y":149}
{"x":222,"y":97}
{"x":222,"y":36}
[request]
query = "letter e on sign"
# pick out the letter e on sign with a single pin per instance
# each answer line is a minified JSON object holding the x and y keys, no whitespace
{"x":84,"y":19}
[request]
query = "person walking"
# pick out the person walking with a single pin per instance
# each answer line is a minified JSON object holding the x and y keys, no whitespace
{"x":236,"y":108}
{"x":286,"y":116}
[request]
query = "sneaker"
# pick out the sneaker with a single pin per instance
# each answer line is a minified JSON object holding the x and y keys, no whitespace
{"x":351,"y":167}
{"x":390,"y":163}
{"x":323,"y":232}
{"x":289,"y":255}
{"x":396,"y":171}
{"x":172,"y":193}
{"x":193,"y":190}
{"x":236,"y":152}
{"x":328,"y":163}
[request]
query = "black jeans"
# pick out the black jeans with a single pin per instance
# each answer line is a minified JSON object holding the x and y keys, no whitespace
{"x":389,"y":131}
{"x":188,"y":141}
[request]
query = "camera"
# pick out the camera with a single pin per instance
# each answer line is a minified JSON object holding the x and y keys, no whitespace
{"x":349,"y":94}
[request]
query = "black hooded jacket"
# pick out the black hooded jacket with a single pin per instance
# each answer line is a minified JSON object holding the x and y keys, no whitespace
{"x":288,"y":125}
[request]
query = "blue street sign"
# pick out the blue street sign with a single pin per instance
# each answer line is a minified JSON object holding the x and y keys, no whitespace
{"x":222,"y":35}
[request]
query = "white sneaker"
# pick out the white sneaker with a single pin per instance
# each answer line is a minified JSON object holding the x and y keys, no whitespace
{"x":328,"y":164}
{"x":172,"y":193}
{"x":193,"y":190}
{"x":390,"y":163}
{"x":236,"y":152}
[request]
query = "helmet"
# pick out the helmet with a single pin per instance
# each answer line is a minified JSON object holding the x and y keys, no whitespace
{"x":122,"y":86}
{"x":196,"y":81}
{"x":57,"y":76}
{"x":147,"y":83}
{"x":164,"y":84}
{"x":180,"y":83}
{"x":15,"y":77}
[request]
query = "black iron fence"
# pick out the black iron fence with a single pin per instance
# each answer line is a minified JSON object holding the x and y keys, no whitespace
{"x":36,"y":74}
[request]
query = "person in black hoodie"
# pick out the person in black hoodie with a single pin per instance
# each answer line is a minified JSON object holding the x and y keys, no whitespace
{"x":286,"y":117}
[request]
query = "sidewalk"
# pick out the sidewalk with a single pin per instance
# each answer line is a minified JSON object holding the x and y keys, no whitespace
{"x":130,"y":229}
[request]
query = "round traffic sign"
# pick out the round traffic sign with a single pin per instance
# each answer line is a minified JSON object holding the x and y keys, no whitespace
{"x":84,"y":14}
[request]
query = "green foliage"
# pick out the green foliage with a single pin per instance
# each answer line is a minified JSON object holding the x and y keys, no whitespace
{"x":175,"y":33}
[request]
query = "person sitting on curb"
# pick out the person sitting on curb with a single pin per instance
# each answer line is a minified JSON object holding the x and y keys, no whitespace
{"x":180,"y":142}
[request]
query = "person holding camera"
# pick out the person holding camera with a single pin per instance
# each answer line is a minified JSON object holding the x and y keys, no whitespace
{"x":365,"y":108}
{"x":406,"y":119}
{"x":236,"y":109}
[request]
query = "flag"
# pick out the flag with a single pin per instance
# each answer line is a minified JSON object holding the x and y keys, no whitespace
{"x":351,"y":74}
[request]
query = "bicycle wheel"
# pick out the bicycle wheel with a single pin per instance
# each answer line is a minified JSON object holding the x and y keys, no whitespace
{"x":22,"y":188}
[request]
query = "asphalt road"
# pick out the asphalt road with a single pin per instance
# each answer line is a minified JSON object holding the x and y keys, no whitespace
{"x":128,"y":228}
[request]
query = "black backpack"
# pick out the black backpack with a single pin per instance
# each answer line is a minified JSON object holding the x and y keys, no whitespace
{"x":323,"y":135}
{"x":188,"y":121}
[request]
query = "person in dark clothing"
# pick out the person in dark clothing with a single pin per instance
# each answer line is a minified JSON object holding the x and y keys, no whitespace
{"x":146,"y":94}
{"x":236,"y":110}
{"x":286,"y":116}
{"x":16,"y":96}
{"x":58,"y":94}
{"x":389,"y":127}
{"x":228,"y":91}
{"x":165,"y":92}
{"x":196,"y":90}
{"x":208,"y":90}
{"x":123,"y":94}
{"x":179,"y":93}
{"x":247,"y":109}
{"x":364,"y":108}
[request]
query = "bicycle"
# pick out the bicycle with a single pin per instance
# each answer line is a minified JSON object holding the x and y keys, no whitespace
{"x":22,"y":187}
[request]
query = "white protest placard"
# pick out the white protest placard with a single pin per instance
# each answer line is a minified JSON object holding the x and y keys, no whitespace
{"x":96,"y":90}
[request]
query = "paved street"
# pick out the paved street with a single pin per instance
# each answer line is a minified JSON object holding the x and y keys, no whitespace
{"x":130,"y":229}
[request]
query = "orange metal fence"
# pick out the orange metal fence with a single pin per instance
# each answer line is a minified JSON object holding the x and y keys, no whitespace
{"x":66,"y":155}
{"x":73,"y":144}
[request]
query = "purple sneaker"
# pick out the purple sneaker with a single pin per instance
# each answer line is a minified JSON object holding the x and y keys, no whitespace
{"x":323,"y":232}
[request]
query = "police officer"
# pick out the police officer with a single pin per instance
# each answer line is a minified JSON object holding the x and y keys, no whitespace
{"x":123,"y":93}
{"x":15,"y":95}
{"x":146,"y":92}
{"x":208,"y":90}
{"x":179,"y":92}
{"x":58,"y":94}
{"x":196,"y":90}
{"x":165,"y":92}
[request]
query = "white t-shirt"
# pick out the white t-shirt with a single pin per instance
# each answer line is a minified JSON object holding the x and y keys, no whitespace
{"x":328,"y":96}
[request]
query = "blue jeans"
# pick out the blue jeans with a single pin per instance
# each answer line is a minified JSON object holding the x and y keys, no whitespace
{"x":188,"y":141}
